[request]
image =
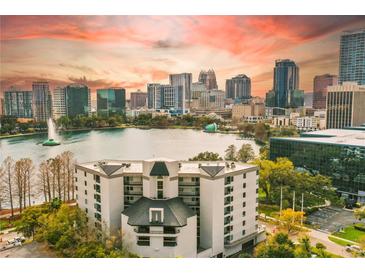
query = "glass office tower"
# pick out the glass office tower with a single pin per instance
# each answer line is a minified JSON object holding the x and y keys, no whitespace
{"x":78,"y":101}
{"x":110,"y":101}
{"x":352,"y":57}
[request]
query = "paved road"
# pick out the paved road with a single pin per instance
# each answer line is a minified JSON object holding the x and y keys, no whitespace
{"x":317,"y":237}
{"x":31,"y":250}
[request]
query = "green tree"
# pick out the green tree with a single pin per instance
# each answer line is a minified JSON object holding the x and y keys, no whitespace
{"x":231,"y":152}
{"x":245,"y":153}
{"x":29,"y":221}
{"x":277,"y":246}
{"x":206,"y":156}
{"x":304,"y":248}
{"x":261,"y":132}
{"x":290,"y":220}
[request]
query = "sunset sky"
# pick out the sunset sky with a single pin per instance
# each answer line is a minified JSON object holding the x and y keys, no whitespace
{"x":130,"y":51}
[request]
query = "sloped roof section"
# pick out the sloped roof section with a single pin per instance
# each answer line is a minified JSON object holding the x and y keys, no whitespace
{"x":159,"y":169}
{"x":176,"y":212}
{"x":212,"y":170}
{"x":110,"y":169}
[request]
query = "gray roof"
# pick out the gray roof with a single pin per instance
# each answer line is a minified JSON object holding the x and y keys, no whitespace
{"x":159,"y":169}
{"x":176,"y":212}
{"x":212,"y":170}
{"x":110,"y":169}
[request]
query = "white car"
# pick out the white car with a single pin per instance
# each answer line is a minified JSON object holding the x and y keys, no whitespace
{"x":353,"y":248}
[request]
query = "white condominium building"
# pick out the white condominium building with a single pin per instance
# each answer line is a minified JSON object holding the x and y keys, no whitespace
{"x":169,"y":208}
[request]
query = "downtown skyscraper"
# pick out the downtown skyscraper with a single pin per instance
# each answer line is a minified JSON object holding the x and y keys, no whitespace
{"x":285,"y":92}
{"x":184,"y":80}
{"x":208,"y":78}
{"x":239,"y":87}
{"x":352,"y":57}
{"x":320,"y":86}
{"x":41,"y":101}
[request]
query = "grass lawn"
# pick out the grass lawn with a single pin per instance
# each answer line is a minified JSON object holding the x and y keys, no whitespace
{"x":269,"y":210}
{"x":338,"y":241}
{"x":350,"y":233}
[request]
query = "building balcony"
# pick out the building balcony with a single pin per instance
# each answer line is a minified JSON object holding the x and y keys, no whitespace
{"x":133,"y":183}
{"x":133,"y":192}
{"x":188,"y":184}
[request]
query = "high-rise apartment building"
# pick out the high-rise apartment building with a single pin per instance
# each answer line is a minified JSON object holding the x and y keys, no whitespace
{"x":238,"y":87}
{"x":285,"y":92}
{"x":345,"y":105}
{"x":196,"y":89}
{"x":352,"y":57}
{"x":172,"y":97}
{"x":58,"y":103}
{"x":211,"y":100}
{"x":320,"y":84}
{"x":18,"y":103}
{"x":184,"y":80}
{"x":169,"y":208}
{"x":138,"y":99}
{"x":78,"y":100}
{"x":110,"y":101}
{"x":154,"y":96}
{"x":208,"y":78}
{"x":42,"y":101}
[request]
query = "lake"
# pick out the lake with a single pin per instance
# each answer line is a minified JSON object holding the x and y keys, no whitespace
{"x":127,"y":144}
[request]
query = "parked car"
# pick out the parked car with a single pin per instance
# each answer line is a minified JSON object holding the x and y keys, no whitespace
{"x":353,"y":248}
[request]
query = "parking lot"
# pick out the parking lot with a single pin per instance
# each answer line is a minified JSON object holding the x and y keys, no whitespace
{"x":331,"y":219}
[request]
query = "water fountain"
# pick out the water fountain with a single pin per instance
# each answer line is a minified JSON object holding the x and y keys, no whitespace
{"x":51,"y":134}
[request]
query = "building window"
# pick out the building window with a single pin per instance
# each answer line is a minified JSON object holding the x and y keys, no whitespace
{"x":97,"y":207}
{"x":85,"y":173}
{"x":243,"y":213}
{"x":243,"y":232}
{"x":244,"y":175}
{"x":85,"y":192}
{"x":257,"y":172}
{"x":169,"y":230}
{"x":244,"y":185}
{"x":228,"y":180}
{"x":75,"y":170}
{"x":85,"y":201}
{"x":86,"y":210}
{"x":97,"y":198}
{"x":257,"y":190}
{"x":244,"y":194}
{"x":75,"y":179}
{"x":77,"y":197}
{"x":243,"y":223}
{"x":143,"y":241}
{"x":97,"y":188}
{"x":257,"y":217}
{"x":76,"y":188}
{"x":243,"y":204}
{"x":97,"y":178}
{"x":159,"y":189}
{"x":156,"y":215}
{"x":98,"y":216}
{"x":169,"y":241}
{"x":85,"y":183}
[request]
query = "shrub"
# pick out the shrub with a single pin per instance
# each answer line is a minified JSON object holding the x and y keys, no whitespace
{"x":360,"y":226}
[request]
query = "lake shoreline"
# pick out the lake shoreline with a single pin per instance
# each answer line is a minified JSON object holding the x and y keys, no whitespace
{"x":116,"y":127}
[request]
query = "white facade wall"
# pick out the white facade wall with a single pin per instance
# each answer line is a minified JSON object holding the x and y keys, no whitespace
{"x":185,"y":238}
{"x":213,"y":239}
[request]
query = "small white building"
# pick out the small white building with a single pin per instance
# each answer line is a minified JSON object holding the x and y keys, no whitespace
{"x":169,"y":208}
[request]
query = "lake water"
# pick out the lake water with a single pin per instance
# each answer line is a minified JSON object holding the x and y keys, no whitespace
{"x":127,"y":144}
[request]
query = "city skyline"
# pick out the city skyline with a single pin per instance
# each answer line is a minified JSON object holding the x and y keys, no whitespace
{"x":131,"y":51}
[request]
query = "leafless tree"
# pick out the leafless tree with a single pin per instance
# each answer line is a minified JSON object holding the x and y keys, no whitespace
{"x":7,"y":180}
{"x":68,"y":167}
